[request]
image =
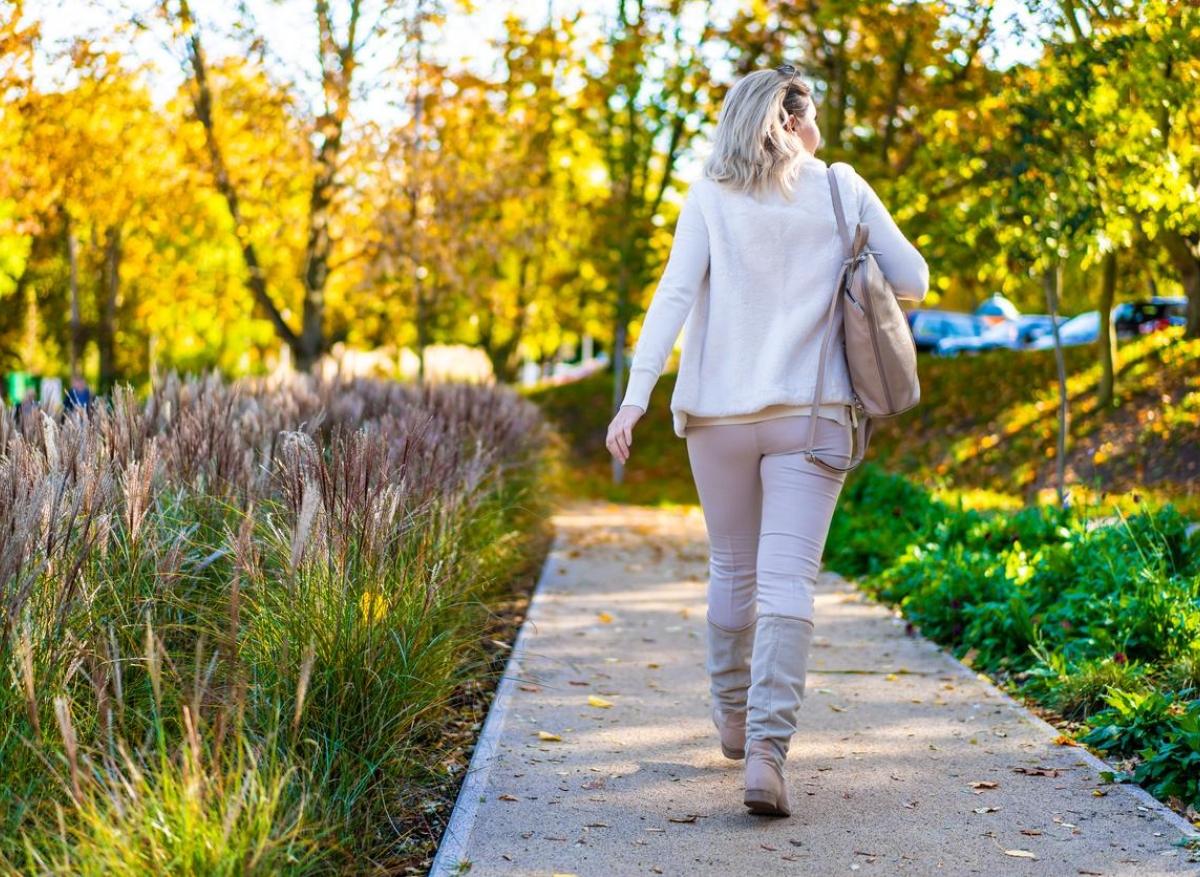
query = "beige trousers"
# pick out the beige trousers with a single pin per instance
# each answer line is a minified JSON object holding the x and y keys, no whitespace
{"x":767,"y":510}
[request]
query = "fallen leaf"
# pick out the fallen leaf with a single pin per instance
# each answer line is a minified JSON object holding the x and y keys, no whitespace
{"x":691,"y":817}
{"x":507,"y":797}
{"x":1032,"y":832}
{"x":530,"y":687}
{"x":604,"y":617}
{"x":1038,"y":771}
{"x":891,"y":677}
{"x":1063,"y":740}
{"x":1098,"y":793}
{"x":1020,"y":854}
{"x":983,"y":784}
{"x":546,"y":735}
{"x":600,"y":702}
{"x":836,"y":708}
{"x":987,"y":809}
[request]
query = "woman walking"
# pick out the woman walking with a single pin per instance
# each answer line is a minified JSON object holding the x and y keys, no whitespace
{"x":753,"y":265}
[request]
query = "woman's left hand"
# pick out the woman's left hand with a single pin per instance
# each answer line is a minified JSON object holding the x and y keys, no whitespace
{"x":620,"y":431}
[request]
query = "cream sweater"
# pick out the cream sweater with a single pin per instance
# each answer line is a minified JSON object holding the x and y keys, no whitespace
{"x":752,"y":279}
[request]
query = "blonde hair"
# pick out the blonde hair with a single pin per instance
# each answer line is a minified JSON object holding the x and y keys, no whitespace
{"x":752,"y":152}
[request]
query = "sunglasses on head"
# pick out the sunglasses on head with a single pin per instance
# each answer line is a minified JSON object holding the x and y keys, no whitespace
{"x":787,"y":70}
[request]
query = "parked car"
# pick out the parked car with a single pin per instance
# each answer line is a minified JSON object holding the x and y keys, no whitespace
{"x":1081,"y":329}
{"x":990,"y":337}
{"x":931,"y":325}
{"x":996,"y":308}
{"x":1133,"y":318}
{"x":1032,"y":326}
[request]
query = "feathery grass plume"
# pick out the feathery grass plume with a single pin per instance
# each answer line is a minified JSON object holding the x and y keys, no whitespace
{"x":306,"y":667}
{"x":50,"y":441}
{"x":62,"y":712}
{"x":309,"y":506}
{"x":8,"y":432}
{"x":28,"y":679}
{"x":98,"y":674}
{"x":136,"y":483}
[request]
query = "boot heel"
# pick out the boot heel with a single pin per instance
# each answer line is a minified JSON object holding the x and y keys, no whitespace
{"x":735,"y":754}
{"x":764,"y":802}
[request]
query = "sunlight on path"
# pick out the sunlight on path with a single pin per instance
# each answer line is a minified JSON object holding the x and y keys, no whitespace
{"x":905,"y":762}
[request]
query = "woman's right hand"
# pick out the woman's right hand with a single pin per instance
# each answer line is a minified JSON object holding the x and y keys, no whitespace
{"x":620,"y":431}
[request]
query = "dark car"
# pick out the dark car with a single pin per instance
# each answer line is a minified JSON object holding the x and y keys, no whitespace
{"x":930,"y":325}
{"x":1134,"y":318}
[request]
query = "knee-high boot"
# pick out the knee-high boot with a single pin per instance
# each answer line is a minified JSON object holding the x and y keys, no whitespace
{"x":777,"y":675}
{"x":728,"y":665}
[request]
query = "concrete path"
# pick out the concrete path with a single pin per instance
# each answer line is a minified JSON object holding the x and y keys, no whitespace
{"x":905,"y":761}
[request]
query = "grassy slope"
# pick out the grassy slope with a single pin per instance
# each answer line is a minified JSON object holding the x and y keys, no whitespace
{"x":986,"y":428}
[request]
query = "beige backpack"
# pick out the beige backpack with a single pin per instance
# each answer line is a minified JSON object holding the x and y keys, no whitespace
{"x":880,"y":350}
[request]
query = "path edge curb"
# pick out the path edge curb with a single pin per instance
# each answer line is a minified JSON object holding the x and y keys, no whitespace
{"x":1140,"y":795}
{"x":453,"y":843}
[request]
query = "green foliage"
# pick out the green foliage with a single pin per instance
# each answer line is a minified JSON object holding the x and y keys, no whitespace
{"x":1097,"y":618}
{"x":1163,"y":732}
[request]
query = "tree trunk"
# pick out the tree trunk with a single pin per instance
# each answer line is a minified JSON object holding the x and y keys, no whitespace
{"x":76,"y":353}
{"x":106,"y":333}
{"x":337,"y":69}
{"x":1052,"y":283}
{"x":1185,"y":253}
{"x":421,"y":318}
{"x":1108,"y":338}
{"x":203,"y":104}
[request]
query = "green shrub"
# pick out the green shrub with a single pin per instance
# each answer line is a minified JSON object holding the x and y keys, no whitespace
{"x":1096,"y":619}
